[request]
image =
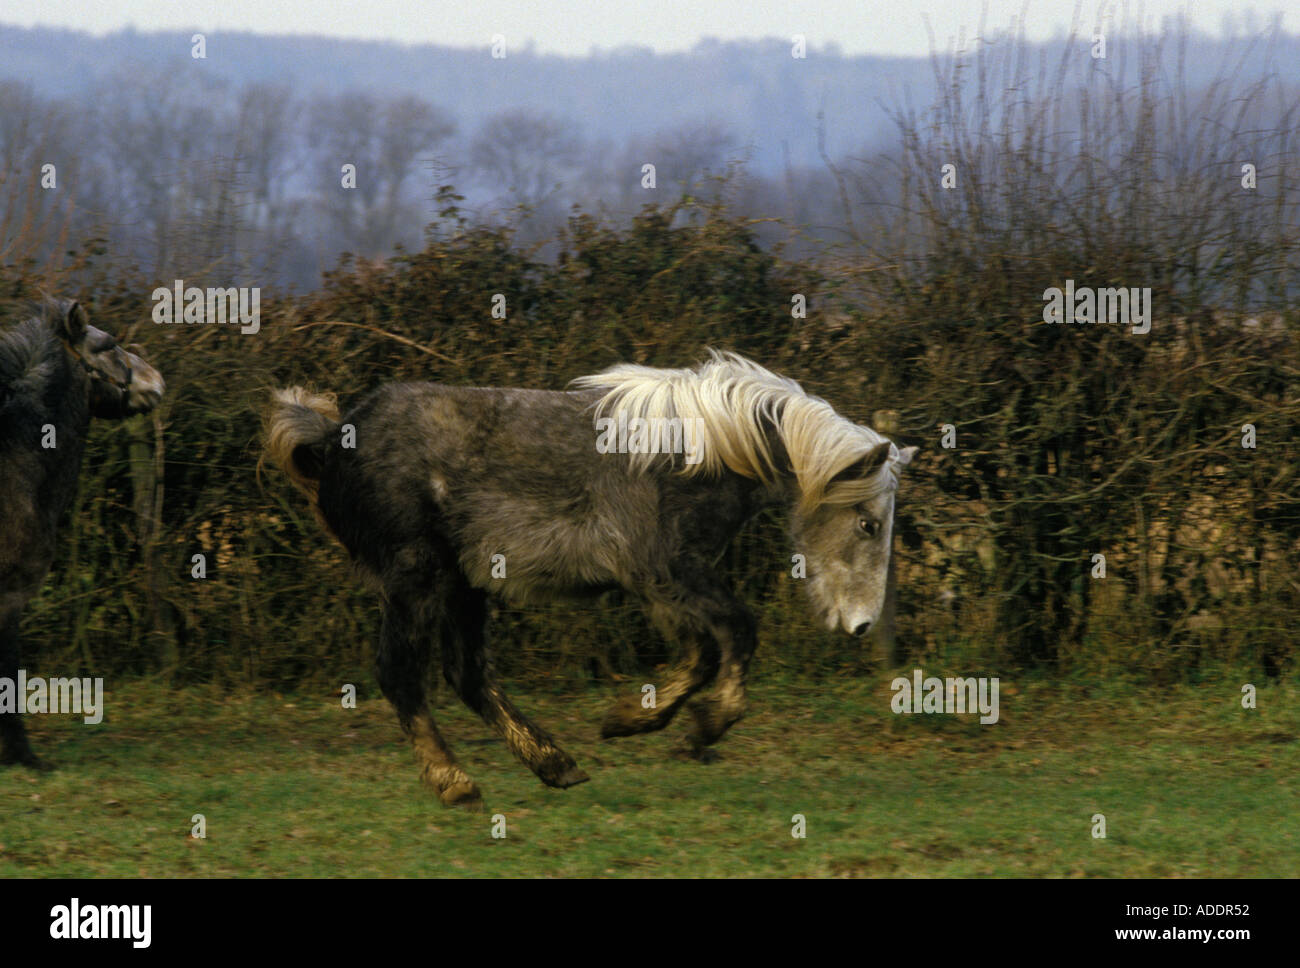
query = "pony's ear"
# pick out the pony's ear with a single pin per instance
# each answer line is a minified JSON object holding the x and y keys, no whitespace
{"x":866,"y":465}
{"x":905,"y":455}
{"x":73,"y":321}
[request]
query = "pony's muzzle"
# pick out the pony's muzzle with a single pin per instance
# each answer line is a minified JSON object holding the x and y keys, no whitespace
{"x":146,"y":389}
{"x":861,"y":629}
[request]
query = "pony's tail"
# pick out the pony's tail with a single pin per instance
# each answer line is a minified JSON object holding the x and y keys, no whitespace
{"x":296,"y":431}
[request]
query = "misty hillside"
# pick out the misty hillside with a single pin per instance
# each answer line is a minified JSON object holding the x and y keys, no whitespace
{"x":240,"y":158}
{"x":761,"y":95}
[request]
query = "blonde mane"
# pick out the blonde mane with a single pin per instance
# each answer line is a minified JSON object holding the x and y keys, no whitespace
{"x":732,"y":399}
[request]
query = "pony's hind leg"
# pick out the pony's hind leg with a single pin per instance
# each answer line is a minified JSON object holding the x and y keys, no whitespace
{"x":403,"y":668}
{"x":468,"y":669}
{"x":14,"y":747}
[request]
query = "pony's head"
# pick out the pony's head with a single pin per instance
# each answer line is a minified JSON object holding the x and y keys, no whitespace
{"x":841,"y":476}
{"x":121,"y":383}
{"x":846,"y":537}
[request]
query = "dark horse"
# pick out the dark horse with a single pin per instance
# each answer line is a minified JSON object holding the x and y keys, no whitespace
{"x":638,"y":480}
{"x":56,"y":372}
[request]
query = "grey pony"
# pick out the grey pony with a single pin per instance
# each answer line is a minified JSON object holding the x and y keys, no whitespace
{"x":636,"y":478}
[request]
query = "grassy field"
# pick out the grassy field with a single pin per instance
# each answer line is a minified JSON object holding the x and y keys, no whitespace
{"x":1190,"y":784}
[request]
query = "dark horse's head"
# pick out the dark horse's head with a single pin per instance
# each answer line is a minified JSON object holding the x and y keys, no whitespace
{"x":120,"y":383}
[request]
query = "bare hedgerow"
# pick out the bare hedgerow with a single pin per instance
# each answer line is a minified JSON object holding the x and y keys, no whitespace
{"x":1081,"y":438}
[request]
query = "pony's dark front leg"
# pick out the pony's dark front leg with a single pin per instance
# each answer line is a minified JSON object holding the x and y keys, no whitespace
{"x":681,"y":613}
{"x":468,"y":669}
{"x":737,"y":635}
{"x":14,"y":747}
{"x":403,"y":669}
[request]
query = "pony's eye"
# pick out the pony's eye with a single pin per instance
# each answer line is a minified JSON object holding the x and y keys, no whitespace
{"x":868,"y":527}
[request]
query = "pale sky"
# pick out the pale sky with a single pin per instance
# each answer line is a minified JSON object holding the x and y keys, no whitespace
{"x":575,"y":27}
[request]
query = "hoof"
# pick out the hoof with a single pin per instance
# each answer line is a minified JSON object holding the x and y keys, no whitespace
{"x":710,"y":725}
{"x":571,"y":777}
{"x":461,"y":795}
{"x":560,"y":771}
{"x":453,"y":787}
{"x":27,"y":759}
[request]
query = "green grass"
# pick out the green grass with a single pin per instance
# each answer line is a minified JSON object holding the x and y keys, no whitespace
{"x":1190,"y":784}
